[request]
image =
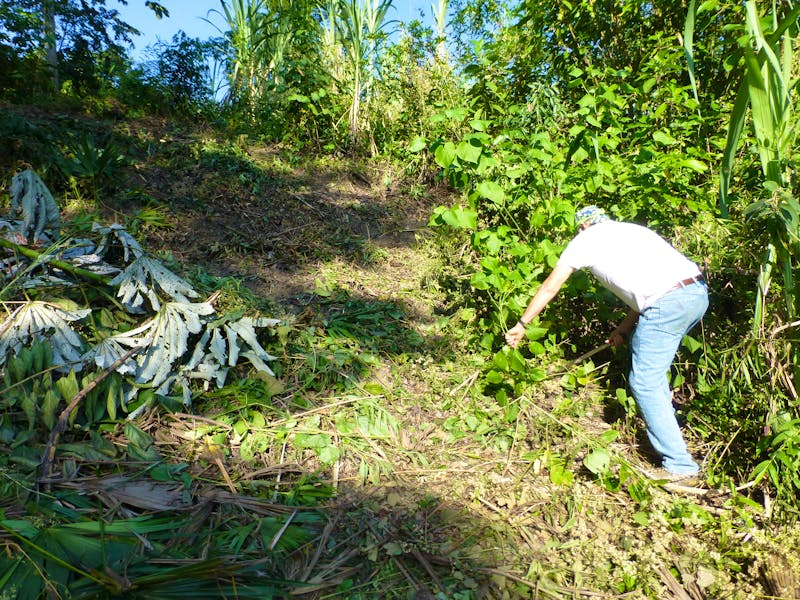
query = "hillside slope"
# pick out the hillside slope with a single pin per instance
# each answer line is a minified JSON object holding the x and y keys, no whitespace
{"x":377,"y":420}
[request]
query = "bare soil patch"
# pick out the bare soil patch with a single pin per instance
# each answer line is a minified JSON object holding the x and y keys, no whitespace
{"x":277,"y":228}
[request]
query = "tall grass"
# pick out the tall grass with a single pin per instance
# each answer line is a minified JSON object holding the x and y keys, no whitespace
{"x":359,"y":25}
{"x":768,"y":94}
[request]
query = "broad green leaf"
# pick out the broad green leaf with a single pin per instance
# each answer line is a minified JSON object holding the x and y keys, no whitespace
{"x":493,"y":191}
{"x":20,"y":526}
{"x":537,"y":374}
{"x":494,"y":244}
{"x":68,"y":386}
{"x":535,"y":333}
{"x":511,"y":412}
{"x":495,"y":377}
{"x":598,"y":461}
{"x":469,"y":151}
{"x":580,"y":154}
{"x":517,"y":171}
{"x":694,"y":164}
{"x":536,"y":348}
{"x":328,"y":454}
{"x":500,"y":360}
{"x":559,"y":475}
{"x":691,"y":344}
{"x":445,"y":154}
{"x":688,"y":45}
{"x":480,"y":124}
{"x":417,"y":144}
{"x":609,"y":436}
{"x":257,"y":419}
{"x":461,"y":218}
{"x":760,"y":109}
{"x":140,"y":444}
{"x":735,"y":131}
{"x":50,"y":406}
{"x":312,"y":440}
{"x":663,"y":137}
{"x":516,"y":362}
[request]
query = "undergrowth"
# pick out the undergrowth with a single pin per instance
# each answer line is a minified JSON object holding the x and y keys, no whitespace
{"x":388,"y":455}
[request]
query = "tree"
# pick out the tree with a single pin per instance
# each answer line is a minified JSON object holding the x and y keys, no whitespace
{"x":51,"y":54}
{"x":50,"y":30}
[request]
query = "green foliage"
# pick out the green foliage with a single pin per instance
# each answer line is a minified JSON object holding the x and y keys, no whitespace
{"x":778,"y":217}
{"x":180,"y":342}
{"x":93,"y":166}
{"x":415,"y":85}
{"x":359,"y":27}
{"x":175,"y":79}
{"x":347,"y":340}
{"x":769,"y":89}
{"x":34,"y":145}
{"x":767,"y":353}
{"x":244,"y":19}
{"x":86,"y":558}
{"x":183,"y":72}
{"x":523,"y":187}
{"x":26,"y":377}
{"x":782,"y":463}
{"x":574,"y":103}
{"x":90,"y":40}
{"x":31,"y":383}
{"x":643,"y":143}
{"x":272,"y":61}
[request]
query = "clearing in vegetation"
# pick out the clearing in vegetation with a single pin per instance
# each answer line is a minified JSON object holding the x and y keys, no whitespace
{"x":369,"y":462}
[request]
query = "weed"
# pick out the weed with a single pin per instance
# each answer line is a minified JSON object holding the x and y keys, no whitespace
{"x":84,"y":160}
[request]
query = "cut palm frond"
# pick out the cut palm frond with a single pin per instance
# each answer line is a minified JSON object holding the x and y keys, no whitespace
{"x":144,"y":278}
{"x":43,"y":321}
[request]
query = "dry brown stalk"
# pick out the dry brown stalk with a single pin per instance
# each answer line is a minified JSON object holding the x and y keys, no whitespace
{"x":673,"y":585}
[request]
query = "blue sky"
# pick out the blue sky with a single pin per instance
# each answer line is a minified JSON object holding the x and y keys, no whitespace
{"x":188,"y":15}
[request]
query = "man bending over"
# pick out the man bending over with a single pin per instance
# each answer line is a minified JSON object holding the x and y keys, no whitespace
{"x":666,"y":295}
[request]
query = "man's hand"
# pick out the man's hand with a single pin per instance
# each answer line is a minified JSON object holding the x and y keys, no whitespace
{"x":544,"y":294}
{"x":617,"y":338}
{"x":515,"y":334}
{"x":620,"y":334}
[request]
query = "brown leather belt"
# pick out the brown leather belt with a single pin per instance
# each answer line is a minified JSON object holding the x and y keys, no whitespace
{"x":688,"y":281}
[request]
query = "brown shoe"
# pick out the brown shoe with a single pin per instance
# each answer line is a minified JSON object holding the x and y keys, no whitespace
{"x":664,"y":476}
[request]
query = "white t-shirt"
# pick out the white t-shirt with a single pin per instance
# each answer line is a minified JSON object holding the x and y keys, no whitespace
{"x":635,"y":263}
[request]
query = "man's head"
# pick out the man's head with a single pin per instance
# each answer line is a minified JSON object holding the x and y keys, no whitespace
{"x":589,"y":215}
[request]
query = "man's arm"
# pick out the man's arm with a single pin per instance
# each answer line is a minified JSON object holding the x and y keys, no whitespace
{"x":543,"y":295}
{"x":622,"y":330}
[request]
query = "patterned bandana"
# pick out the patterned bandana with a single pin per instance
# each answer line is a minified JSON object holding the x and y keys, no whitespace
{"x":590,"y":215}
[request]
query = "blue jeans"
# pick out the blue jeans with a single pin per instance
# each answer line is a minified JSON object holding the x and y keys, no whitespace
{"x":654,"y":342}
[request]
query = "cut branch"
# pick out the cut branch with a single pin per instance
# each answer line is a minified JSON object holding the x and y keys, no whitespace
{"x":60,"y":264}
